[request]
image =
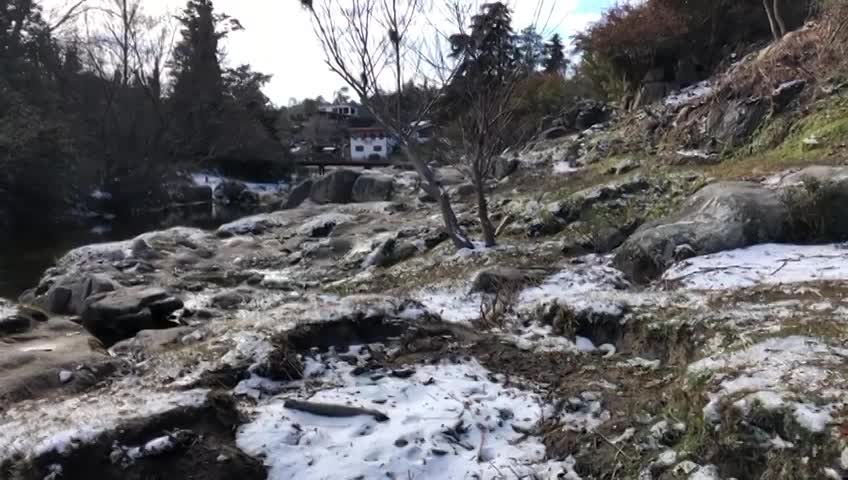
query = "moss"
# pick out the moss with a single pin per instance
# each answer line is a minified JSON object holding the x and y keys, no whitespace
{"x":780,"y":142}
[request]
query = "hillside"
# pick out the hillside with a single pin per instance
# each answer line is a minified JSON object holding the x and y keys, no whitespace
{"x":667,"y":300}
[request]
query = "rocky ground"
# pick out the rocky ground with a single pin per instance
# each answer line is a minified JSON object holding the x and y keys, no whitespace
{"x":636,"y":321}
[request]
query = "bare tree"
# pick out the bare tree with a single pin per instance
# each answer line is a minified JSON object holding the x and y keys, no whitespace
{"x":775,"y":18}
{"x":374,"y":44}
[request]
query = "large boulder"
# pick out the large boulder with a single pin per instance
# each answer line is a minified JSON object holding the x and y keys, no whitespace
{"x":335,"y":187}
{"x":732,"y":123}
{"x":67,"y":294}
{"x":586,"y":114}
{"x":721,"y":216}
{"x":298,"y":194}
{"x":373,"y":188}
{"x":121,"y":314}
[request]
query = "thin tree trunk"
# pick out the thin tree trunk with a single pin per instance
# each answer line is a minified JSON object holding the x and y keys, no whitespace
{"x":432,"y":188}
{"x":483,"y":207}
{"x":772,"y":23}
{"x":778,"y":17}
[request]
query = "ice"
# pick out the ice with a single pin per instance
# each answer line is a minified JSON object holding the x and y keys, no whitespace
{"x":416,"y":441}
{"x":761,"y":264}
{"x":212,"y":180}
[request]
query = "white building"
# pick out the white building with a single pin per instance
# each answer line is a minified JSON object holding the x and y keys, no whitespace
{"x":345,"y":110}
{"x":370,"y":143}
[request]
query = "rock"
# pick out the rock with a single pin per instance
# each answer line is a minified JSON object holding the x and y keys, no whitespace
{"x":731,"y":123}
{"x":335,"y":187}
{"x":553,"y":133}
{"x":69,"y":293}
{"x":389,"y":253}
{"x":505,"y":167}
{"x":15,"y":324}
{"x":577,"y":203}
{"x":143,"y":250}
{"x":231,"y":192}
{"x":298,"y":194}
{"x":230,"y":300}
{"x":502,"y":278}
{"x":624,"y":166}
{"x":693,"y":157}
{"x":121,"y":314}
{"x":585,"y":114}
{"x":32,"y":363}
{"x":785,"y":94}
{"x":151,"y":341}
{"x":719,"y":217}
{"x":372,"y":188}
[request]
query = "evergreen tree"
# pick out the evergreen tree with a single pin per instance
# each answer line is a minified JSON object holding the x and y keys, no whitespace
{"x":198,"y":93}
{"x":555,"y":60}
{"x":530,"y":49}
{"x":489,"y":50}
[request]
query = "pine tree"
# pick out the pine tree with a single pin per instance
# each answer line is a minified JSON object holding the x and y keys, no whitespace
{"x":530,"y":49}
{"x":198,"y":80}
{"x":555,"y":61}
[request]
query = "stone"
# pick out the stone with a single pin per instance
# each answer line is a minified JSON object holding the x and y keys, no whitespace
{"x":15,"y":324}
{"x":298,"y":194}
{"x":624,"y":166}
{"x":69,"y":293}
{"x":466,"y":190}
{"x":693,"y":157}
{"x":231,"y":192}
{"x":389,"y":253}
{"x":372,"y":188}
{"x":121,"y":314}
{"x":577,"y":203}
{"x":335,"y":187}
{"x":142,"y":249}
{"x":553,"y":133}
{"x":502,"y":278}
{"x":786,"y":93}
{"x":732,"y":123}
{"x":504,"y":167}
{"x":32,"y":363}
{"x":585,"y":114}
{"x":230,"y":300}
{"x":721,"y":216}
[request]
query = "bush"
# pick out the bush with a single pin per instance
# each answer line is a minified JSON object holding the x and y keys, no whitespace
{"x":815,"y":210}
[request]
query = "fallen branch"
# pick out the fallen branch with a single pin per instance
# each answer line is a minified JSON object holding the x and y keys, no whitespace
{"x":335,"y":411}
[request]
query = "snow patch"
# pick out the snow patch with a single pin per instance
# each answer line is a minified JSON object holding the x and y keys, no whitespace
{"x":447,"y":421}
{"x":689,"y":94}
{"x":766,"y":264}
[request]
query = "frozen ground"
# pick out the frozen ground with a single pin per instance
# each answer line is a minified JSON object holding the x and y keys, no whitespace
{"x":446,"y":421}
{"x":760,"y":265}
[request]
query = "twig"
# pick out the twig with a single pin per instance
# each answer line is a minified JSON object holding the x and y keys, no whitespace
{"x":613,"y":445}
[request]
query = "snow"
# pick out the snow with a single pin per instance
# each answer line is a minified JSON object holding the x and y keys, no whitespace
{"x":413,"y":442}
{"x":761,"y":265}
{"x":212,"y":181}
{"x":689,"y":94}
{"x":101,"y":195}
{"x":49,"y":426}
{"x":565,"y":168}
{"x":773,"y":371}
{"x":453,"y":305}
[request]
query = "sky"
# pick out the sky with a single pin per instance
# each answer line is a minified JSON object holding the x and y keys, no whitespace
{"x":278,"y":38}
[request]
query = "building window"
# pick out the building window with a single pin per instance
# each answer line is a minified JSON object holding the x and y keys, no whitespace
{"x":359,"y":148}
{"x":378,"y":148}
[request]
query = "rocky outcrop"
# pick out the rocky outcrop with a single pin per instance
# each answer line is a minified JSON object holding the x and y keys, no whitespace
{"x":299,"y":194}
{"x":721,"y":216}
{"x":372,"y":188}
{"x":121,"y":314}
{"x":231,"y":192}
{"x":335,"y":187}
{"x":41,"y":356}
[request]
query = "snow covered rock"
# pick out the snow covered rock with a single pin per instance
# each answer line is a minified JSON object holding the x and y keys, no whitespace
{"x":719,"y":217}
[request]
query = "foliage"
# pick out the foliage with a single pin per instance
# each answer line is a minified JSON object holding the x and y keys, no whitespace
{"x":554,"y":55}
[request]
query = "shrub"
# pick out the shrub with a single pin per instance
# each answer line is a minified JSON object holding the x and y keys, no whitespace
{"x":815,"y":211}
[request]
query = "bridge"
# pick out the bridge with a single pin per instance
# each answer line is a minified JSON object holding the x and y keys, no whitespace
{"x":343,"y":162}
